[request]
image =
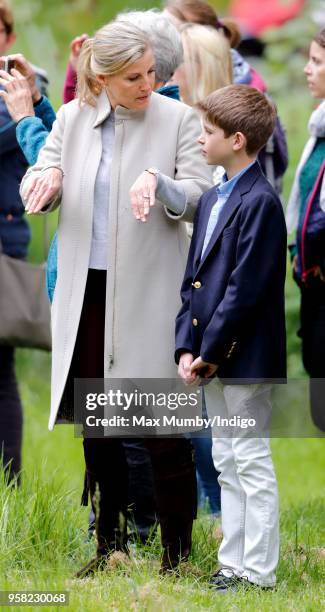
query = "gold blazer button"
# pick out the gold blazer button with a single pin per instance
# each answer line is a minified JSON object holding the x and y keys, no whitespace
{"x":195,"y":322}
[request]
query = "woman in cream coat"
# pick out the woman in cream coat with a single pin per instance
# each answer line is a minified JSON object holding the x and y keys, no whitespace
{"x":124,"y":166}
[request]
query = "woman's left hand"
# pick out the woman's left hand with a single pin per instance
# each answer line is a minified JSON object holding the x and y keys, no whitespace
{"x":142,"y":195}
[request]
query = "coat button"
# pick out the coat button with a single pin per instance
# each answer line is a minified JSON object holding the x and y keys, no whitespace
{"x":197,"y":285}
{"x":195,"y":322}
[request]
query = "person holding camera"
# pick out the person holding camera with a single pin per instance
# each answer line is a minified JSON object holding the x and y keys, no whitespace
{"x":14,"y":239}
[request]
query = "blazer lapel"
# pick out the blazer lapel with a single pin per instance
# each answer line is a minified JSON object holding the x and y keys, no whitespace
{"x":203,"y":226}
{"x":226,"y":213}
{"x":243,"y":186}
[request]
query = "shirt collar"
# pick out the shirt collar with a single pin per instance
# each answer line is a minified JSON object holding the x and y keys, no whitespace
{"x":226,"y":186}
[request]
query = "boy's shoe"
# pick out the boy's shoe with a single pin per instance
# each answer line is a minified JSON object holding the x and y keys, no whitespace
{"x":223,"y":582}
{"x":231,"y":583}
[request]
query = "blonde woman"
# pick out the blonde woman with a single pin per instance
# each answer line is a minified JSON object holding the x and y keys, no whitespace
{"x":207,"y":63}
{"x":124,"y":165}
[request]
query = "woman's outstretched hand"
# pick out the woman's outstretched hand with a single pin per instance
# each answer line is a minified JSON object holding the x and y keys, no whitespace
{"x":142,"y":195}
{"x":41,"y":189}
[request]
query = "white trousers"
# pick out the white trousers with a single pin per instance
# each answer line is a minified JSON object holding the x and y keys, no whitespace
{"x":249,"y":495}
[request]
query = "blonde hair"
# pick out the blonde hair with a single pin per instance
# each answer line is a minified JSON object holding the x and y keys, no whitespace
{"x":114,"y":47}
{"x":208,"y":62}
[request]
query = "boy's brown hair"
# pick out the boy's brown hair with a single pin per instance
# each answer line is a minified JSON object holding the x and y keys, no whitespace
{"x":6,"y":16}
{"x":241,"y":108}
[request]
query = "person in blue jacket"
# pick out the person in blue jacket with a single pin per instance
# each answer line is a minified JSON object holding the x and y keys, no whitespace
{"x":231,"y":326}
{"x":14,"y":239}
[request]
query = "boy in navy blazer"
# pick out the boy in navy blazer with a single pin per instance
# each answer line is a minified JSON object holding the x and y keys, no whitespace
{"x":231,"y":327}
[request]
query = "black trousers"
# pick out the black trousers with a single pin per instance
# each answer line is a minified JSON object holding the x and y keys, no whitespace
{"x":11,"y":415}
{"x":107,"y":468}
{"x":312,"y":332}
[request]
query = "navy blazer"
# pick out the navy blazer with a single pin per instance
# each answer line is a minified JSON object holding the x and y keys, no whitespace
{"x":233,"y":299}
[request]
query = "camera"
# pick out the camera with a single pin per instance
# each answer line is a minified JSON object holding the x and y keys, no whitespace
{"x":7,"y":64}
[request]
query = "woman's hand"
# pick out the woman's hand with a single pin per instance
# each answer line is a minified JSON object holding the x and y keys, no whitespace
{"x":75,"y":48}
{"x":142,"y":195}
{"x":26,"y":71}
{"x":41,"y":189}
{"x":17,"y":95}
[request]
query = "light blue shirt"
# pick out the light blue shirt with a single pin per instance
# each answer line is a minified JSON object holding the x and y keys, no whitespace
{"x":224,"y":191}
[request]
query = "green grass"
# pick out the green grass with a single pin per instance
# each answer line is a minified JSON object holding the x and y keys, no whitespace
{"x":43,"y":532}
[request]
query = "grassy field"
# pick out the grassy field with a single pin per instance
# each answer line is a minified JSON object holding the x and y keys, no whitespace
{"x":42,"y":526}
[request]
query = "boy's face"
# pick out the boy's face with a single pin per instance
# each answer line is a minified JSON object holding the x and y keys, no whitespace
{"x":217,"y":149}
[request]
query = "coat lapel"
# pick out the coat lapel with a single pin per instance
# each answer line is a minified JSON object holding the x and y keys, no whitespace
{"x":103,"y":108}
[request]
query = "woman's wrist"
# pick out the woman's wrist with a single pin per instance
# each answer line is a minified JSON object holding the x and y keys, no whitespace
{"x":19,"y":118}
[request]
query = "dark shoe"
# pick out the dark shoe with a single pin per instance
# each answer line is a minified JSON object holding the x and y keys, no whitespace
{"x":170,"y":564}
{"x":222,"y":583}
{"x":96,"y":564}
{"x":177,"y":541}
{"x":174,"y":555}
{"x":232,"y":583}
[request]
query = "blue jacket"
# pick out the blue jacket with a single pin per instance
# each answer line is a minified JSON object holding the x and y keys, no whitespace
{"x":14,"y":229}
{"x":233,"y":300}
{"x":31,"y":133}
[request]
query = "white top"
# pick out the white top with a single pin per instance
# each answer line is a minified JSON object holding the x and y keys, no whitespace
{"x":98,"y":250}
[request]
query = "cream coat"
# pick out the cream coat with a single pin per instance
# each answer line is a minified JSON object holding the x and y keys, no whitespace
{"x":146,"y":261}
